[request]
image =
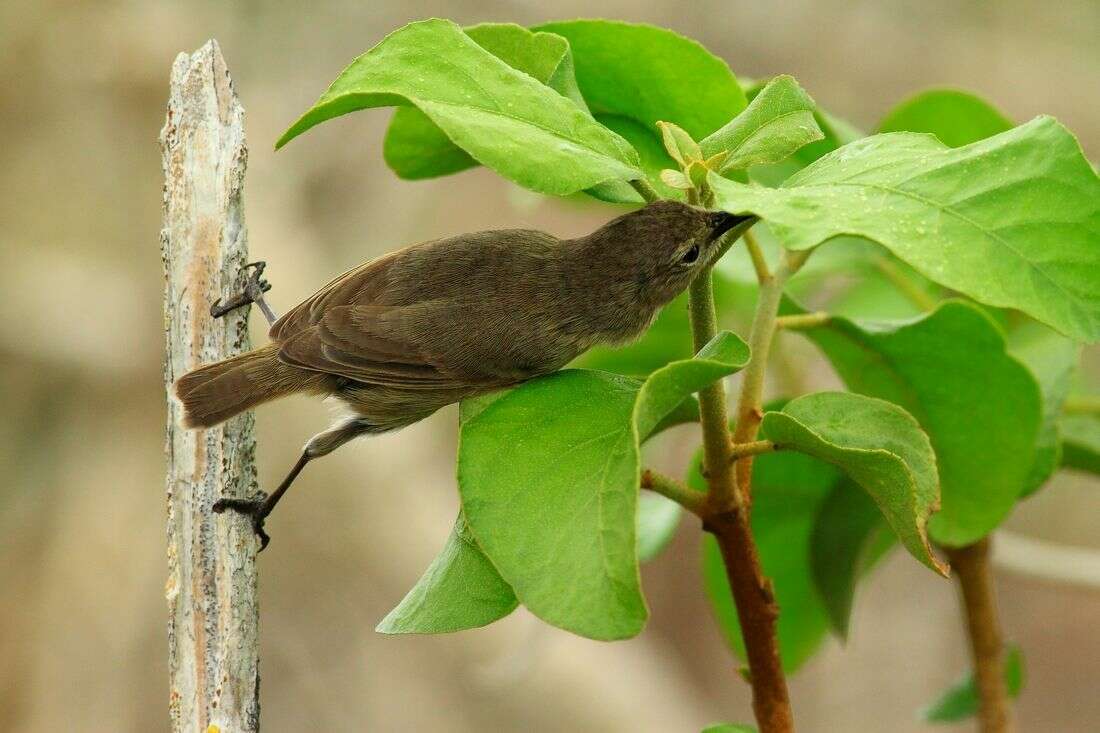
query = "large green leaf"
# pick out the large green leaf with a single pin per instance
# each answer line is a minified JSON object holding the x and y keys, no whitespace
{"x":957,"y":118}
{"x":416,"y":148}
{"x":961,"y":700}
{"x":629,"y":72}
{"x":848,"y":538}
{"x":549,"y":480}
{"x":729,"y":728}
{"x":460,"y":590}
{"x":880,"y":446}
{"x":1052,"y":360}
{"x":788,"y":489}
{"x":1012,"y":220}
{"x":980,"y":407}
{"x":504,"y":118}
{"x":650,"y":74}
{"x":778,"y":122}
{"x":653,"y":156}
{"x":1081,"y":442}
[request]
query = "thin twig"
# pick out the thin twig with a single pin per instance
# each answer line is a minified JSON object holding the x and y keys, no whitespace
{"x":755,"y":448}
{"x":972,"y":566}
{"x":803,"y":321}
{"x":749,"y":406}
{"x":758,"y":262}
{"x":678,"y":492}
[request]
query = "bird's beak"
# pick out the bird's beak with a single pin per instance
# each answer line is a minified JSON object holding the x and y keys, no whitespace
{"x":721,"y":222}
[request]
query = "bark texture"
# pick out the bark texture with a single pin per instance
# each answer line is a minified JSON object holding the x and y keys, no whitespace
{"x":211,"y":590}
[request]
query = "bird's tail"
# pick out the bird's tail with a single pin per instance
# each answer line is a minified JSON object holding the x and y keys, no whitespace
{"x":216,"y":392}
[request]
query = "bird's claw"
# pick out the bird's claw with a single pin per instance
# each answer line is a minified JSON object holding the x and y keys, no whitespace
{"x":252,"y":507}
{"x":254,"y":289}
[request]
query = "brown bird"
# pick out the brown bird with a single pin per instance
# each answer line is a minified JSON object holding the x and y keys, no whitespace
{"x":401,"y":336}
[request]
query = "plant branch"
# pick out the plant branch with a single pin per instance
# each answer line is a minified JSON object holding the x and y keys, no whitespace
{"x":672,"y":489}
{"x":213,"y":625}
{"x":972,"y":566}
{"x":728,"y":521}
{"x":750,"y":405}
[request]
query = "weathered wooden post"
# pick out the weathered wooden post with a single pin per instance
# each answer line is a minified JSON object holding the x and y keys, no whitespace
{"x":213,"y":615}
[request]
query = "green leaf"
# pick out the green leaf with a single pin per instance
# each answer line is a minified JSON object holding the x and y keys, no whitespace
{"x":836,"y":132}
{"x":1052,"y":359}
{"x":1011,"y":221}
{"x":880,"y":446}
{"x":653,"y":156}
{"x":415,"y":147}
{"x":670,"y":385}
{"x":849,"y":537}
{"x":957,"y":118}
{"x":649,"y":74}
{"x":549,"y":480}
{"x":778,"y":121}
{"x":503,"y":118}
{"x":980,"y":407}
{"x":788,"y":489}
{"x":729,"y":728}
{"x":1081,"y":442}
{"x":678,"y":144}
{"x":961,"y":700}
{"x":460,"y":590}
{"x":633,"y":73}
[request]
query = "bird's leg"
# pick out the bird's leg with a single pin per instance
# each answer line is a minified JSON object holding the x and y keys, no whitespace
{"x":254,"y":290}
{"x":259,"y":506}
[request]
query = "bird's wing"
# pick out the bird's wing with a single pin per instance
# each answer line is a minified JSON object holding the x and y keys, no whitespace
{"x":360,"y":285}
{"x":367,"y":344}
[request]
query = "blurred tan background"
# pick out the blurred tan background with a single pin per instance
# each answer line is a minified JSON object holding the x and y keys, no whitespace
{"x":82,"y":560}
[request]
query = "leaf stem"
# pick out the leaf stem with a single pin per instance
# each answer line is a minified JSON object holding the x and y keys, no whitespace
{"x":1082,"y":405}
{"x":803,"y":321}
{"x":972,"y":565}
{"x":916,"y":294}
{"x":725,"y":518}
{"x":755,"y":448}
{"x":672,"y":489}
{"x":647,"y":191}
{"x":758,"y":262}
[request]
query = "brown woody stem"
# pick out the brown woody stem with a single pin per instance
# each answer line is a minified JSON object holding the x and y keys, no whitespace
{"x":728,"y":521}
{"x":973,"y":568}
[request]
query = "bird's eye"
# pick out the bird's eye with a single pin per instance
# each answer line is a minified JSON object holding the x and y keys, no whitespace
{"x":690,"y":256}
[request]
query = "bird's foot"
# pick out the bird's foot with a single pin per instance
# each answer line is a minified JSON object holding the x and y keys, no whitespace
{"x":254,"y":290}
{"x":254,"y":507}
